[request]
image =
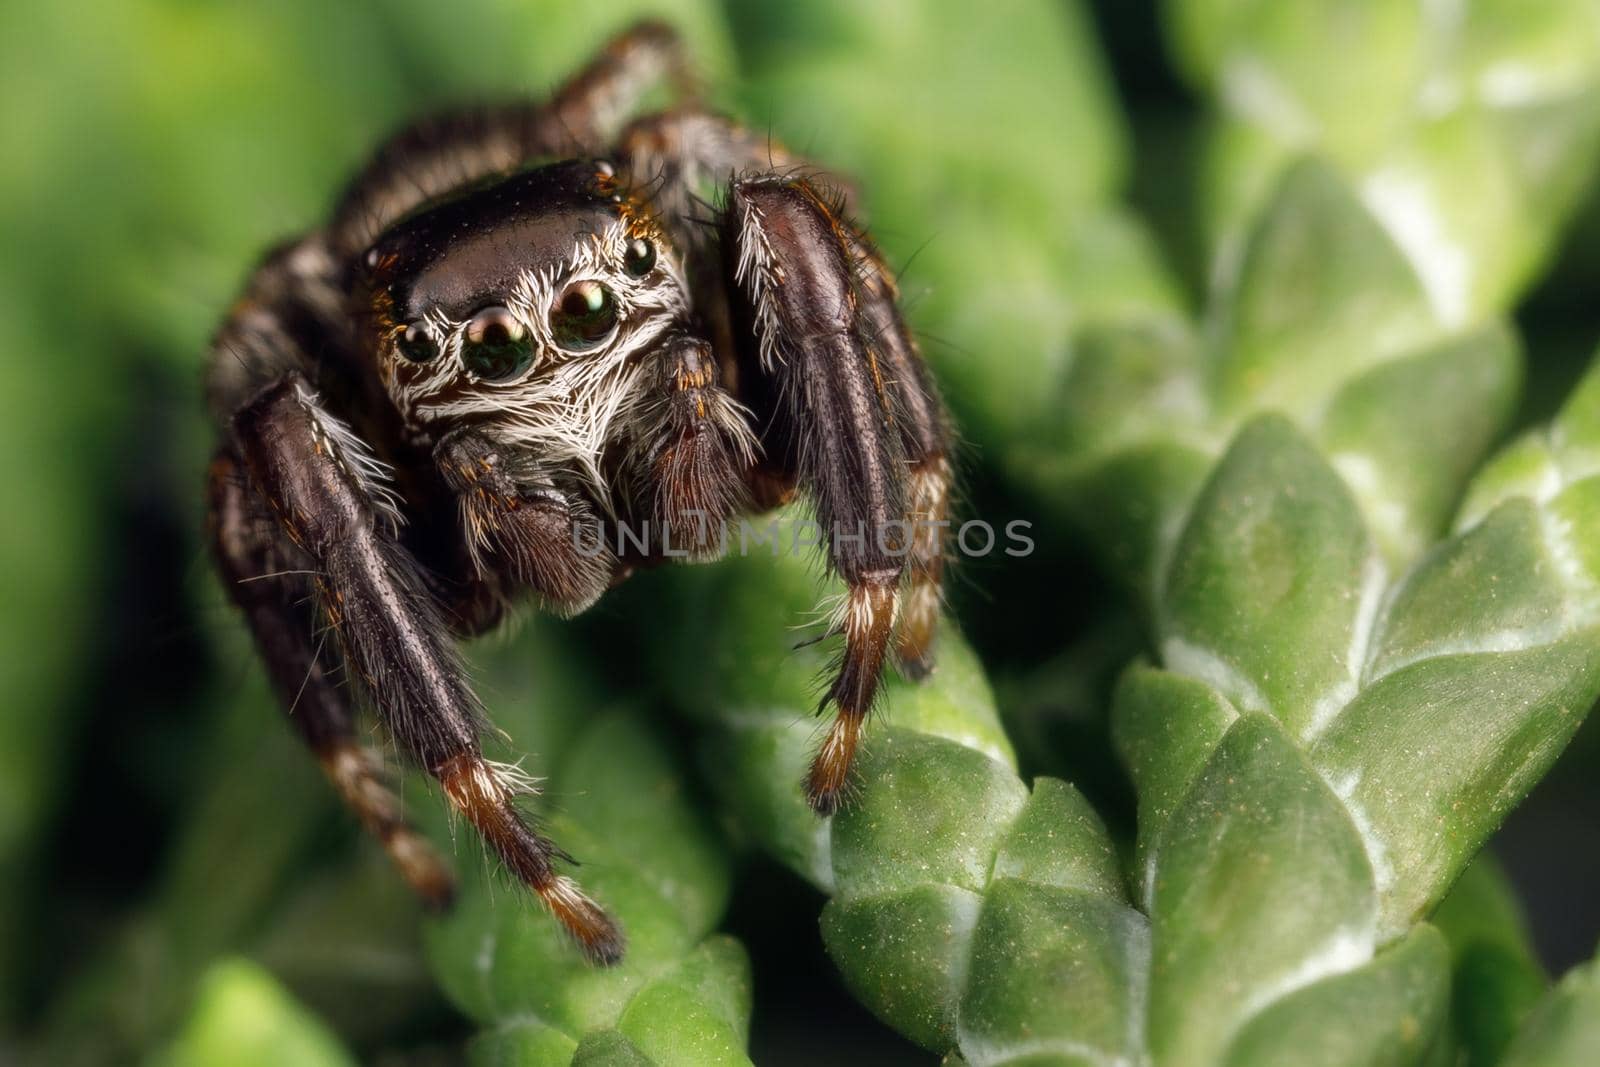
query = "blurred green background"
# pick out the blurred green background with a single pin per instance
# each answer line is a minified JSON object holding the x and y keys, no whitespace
{"x":156,"y":817}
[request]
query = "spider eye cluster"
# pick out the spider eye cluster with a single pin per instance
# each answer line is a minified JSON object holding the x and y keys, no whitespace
{"x":496,"y":346}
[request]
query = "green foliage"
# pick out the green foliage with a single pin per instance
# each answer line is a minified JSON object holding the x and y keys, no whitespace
{"x":1363,"y":649}
{"x":243,"y":1018}
{"x":1563,"y":1030}
{"x":964,"y":906}
{"x":1387,"y":730}
{"x":682,"y":996}
{"x":1471,"y":130}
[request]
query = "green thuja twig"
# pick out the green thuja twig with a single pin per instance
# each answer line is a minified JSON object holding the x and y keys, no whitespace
{"x":1471,"y":130}
{"x":1306,"y":797}
{"x":615,"y":797}
{"x":1307,"y":689}
{"x":1563,"y":1030}
{"x":965,"y":908}
{"x":1328,"y":323}
{"x":1324,"y":752}
{"x":1320,"y":319}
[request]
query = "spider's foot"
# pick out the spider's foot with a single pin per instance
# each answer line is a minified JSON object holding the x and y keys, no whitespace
{"x":596,"y":933}
{"x":867,"y":619}
{"x":486,"y":795}
{"x":830,"y":770}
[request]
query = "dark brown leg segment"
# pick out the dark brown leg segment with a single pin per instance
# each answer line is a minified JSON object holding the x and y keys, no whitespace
{"x":269,"y":580}
{"x":308,"y":469}
{"x":924,"y":439}
{"x":594,"y":103}
{"x":453,"y":149}
{"x":796,"y":267}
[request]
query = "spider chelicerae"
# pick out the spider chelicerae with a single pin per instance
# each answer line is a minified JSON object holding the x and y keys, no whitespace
{"x":524,"y":322}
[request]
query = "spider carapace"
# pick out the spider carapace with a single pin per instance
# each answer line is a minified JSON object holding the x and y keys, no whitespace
{"x":522,"y":324}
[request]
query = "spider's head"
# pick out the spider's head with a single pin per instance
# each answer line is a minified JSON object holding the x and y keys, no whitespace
{"x":518,"y":292}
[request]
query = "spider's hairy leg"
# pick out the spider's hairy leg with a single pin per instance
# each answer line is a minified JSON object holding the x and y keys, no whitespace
{"x":924,"y":594}
{"x":267,"y":577}
{"x":306,"y":466}
{"x":793,"y":262}
{"x":699,"y":453}
{"x":592,"y":105}
{"x":924,"y":439}
{"x":453,"y":149}
{"x":687,"y":156}
{"x":516,"y":520}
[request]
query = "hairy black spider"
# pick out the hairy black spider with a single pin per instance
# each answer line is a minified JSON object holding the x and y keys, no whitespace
{"x":520,"y":324}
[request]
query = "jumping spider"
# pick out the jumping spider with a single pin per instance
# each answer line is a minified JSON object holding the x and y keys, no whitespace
{"x":523,"y":322}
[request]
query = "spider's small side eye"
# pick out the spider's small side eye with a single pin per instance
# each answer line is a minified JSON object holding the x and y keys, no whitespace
{"x":639,"y":258}
{"x":496,"y":345}
{"x":584,"y":315}
{"x":415,"y":344}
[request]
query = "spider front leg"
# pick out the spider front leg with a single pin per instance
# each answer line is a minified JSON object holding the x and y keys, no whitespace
{"x":687,"y":150}
{"x":839,"y":415}
{"x":925,"y":441}
{"x":266,"y":577}
{"x":314,"y":475}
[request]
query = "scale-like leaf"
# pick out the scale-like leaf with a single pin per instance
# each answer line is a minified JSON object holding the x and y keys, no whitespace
{"x":1563,"y":1030}
{"x":1261,"y":885}
{"x":1272,"y":580}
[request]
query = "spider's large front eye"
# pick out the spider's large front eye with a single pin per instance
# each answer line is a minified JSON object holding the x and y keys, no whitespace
{"x":584,"y":315}
{"x":496,"y":345}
